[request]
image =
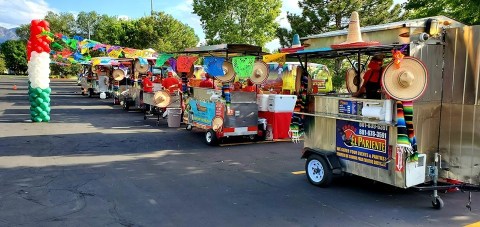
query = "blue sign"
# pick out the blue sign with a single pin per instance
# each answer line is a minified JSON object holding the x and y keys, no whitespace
{"x":348,"y":107}
{"x":203,"y":112}
{"x":363,"y":143}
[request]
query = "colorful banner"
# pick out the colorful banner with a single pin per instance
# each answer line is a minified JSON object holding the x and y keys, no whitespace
{"x":363,"y":143}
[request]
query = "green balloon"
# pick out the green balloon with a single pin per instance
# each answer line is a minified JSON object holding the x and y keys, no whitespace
{"x":43,"y":114}
{"x":47,"y":99}
{"x":46,"y":118}
{"x":44,"y":95}
{"x":33,"y":104}
{"x":44,"y":105}
{"x":47,"y":109}
{"x":38,"y":90}
{"x":39,"y":100}
{"x":33,"y":114}
{"x":33,"y":95}
{"x":37,"y":119}
{"x":38,"y":109}
{"x":32,"y":108}
{"x":48,"y":90}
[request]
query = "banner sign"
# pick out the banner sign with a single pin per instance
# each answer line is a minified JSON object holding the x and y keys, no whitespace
{"x":203,"y":112}
{"x":363,"y":143}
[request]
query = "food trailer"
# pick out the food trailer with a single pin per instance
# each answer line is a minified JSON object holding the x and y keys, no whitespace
{"x":366,"y":137}
{"x":100,"y":81}
{"x":132,"y":96}
{"x":84,"y":77}
{"x":224,"y":112}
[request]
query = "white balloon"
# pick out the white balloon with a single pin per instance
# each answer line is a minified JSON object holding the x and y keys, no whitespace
{"x":103,"y":95}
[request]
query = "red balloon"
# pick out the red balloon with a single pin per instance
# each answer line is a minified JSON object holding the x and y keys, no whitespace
{"x":38,"y":49}
{"x":37,"y":30}
{"x":35,"y":22}
{"x":44,"y":24}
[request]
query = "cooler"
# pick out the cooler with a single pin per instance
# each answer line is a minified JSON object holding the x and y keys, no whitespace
{"x":281,"y":103}
{"x":280,"y":123}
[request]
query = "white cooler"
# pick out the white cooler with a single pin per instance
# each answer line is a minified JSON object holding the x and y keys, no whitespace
{"x":281,"y":103}
{"x":262,"y":101}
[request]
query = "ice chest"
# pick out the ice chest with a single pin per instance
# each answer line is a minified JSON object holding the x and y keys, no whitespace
{"x":281,"y":103}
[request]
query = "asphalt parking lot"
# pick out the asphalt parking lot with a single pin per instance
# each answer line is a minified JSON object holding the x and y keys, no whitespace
{"x":95,"y":164}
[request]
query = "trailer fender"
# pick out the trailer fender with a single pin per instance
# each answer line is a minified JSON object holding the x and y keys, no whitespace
{"x":330,"y":157}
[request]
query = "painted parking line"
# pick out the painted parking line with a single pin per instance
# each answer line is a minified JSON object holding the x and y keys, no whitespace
{"x":476,"y":224}
{"x":298,"y":172}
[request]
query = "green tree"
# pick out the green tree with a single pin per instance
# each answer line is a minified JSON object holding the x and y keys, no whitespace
{"x":465,"y":11}
{"x":110,"y":30}
{"x":62,"y":23}
{"x":66,"y":70}
{"x":15,"y":55}
{"x":86,"y":23}
{"x":23,"y":32}
{"x":3,"y":68}
{"x":231,"y":21}
{"x":319,"y":16}
{"x":160,"y":31}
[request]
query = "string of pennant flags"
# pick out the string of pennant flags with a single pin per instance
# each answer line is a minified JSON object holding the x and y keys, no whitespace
{"x":76,"y":50}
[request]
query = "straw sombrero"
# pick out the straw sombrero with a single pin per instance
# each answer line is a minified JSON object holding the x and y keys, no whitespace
{"x":217,"y":123}
{"x":260,"y":72}
{"x":228,"y":72}
{"x":407,"y":82}
{"x":141,"y":68}
{"x":162,"y":99}
{"x":353,"y":82}
{"x":118,"y":74}
{"x":354,"y":36}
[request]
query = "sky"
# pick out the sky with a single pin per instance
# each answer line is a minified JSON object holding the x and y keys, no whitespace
{"x":16,"y":12}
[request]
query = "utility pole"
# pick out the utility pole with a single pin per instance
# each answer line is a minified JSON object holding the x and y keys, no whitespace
{"x":151,"y":7}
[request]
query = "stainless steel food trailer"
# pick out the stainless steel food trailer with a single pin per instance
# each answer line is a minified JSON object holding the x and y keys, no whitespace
{"x":446,"y":118}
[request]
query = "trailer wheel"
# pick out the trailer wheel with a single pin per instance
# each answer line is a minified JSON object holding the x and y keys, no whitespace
{"x":126,"y":105}
{"x":189,"y":127}
{"x":437,"y":203}
{"x":318,"y":172}
{"x":211,"y":137}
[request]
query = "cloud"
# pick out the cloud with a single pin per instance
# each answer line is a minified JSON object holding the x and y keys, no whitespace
{"x":17,"y":12}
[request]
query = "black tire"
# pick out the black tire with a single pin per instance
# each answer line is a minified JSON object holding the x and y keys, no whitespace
{"x":262,"y":137}
{"x":126,"y":105}
{"x":211,"y":137}
{"x":318,"y":172}
{"x":437,"y":203}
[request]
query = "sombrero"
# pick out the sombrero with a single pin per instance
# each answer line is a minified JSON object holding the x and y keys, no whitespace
{"x":162,"y":99}
{"x":118,"y":74}
{"x":260,"y":72}
{"x":406,"y":83}
{"x":228,"y":72}
{"x":353,"y":82}
{"x":296,"y":45}
{"x":354,"y":36}
{"x":217,"y":123}
{"x":141,"y":68}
